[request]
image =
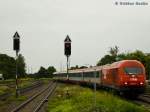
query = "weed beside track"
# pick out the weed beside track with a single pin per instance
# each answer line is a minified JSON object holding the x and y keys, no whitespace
{"x":73,"y":98}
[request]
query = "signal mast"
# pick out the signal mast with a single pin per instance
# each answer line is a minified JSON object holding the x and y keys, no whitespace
{"x":67,"y":51}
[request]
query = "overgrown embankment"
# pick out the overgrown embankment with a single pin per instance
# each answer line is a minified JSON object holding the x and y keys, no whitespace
{"x":71,"y":98}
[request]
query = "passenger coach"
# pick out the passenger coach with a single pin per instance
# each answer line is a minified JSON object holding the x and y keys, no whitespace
{"x":123,"y":76}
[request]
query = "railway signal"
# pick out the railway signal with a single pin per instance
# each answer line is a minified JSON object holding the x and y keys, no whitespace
{"x":67,"y":43}
{"x":67,"y":50}
{"x":16,"y":42}
{"x":16,"y":47}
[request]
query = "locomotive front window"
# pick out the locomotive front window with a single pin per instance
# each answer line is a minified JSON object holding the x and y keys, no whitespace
{"x":133,"y":70}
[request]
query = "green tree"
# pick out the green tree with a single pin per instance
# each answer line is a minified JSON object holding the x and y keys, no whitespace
{"x":74,"y":67}
{"x":114,"y":50}
{"x":83,"y":67}
{"x":7,"y":66}
{"x":147,"y":66}
{"x":51,"y":70}
{"x":45,"y":73}
{"x":107,"y":59}
{"x":42,"y":72}
{"x":21,"y":66}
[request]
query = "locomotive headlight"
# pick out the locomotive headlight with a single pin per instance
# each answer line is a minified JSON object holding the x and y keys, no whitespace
{"x":141,"y":83}
{"x":125,"y":83}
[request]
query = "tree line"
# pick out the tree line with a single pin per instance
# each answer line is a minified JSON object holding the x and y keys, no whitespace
{"x":8,"y":66}
{"x":113,"y":56}
{"x":77,"y":67}
{"x":44,"y":73}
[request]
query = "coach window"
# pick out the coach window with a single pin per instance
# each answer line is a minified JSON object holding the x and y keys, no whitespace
{"x":82,"y":75}
{"x":78,"y":75}
{"x":90,"y":74}
{"x":97,"y":74}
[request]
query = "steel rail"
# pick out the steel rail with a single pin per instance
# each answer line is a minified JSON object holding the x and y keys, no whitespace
{"x":22,"y":90}
{"x":145,"y":99}
{"x":30,"y":99}
{"x":45,"y":99}
{"x":142,"y":100}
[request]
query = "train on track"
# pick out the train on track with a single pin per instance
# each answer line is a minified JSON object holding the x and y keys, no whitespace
{"x":124,"y":76}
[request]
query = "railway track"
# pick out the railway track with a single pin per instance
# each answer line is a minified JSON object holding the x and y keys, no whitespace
{"x":22,"y":90}
{"x":143,"y":100}
{"x":35,"y":103}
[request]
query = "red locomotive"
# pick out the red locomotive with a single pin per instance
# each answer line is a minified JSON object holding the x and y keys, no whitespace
{"x":123,"y":76}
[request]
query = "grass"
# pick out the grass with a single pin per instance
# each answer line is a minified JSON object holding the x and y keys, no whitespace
{"x":3,"y":89}
{"x":4,"y":104}
{"x":46,"y":80}
{"x":11,"y":100}
{"x":80,"y":99}
{"x":25,"y":83}
{"x":22,"y":83}
{"x":19,"y":99}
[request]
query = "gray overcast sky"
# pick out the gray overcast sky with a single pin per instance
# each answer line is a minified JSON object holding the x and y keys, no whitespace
{"x":93,"y":26}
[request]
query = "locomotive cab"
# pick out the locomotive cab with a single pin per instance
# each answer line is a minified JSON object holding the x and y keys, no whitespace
{"x":132,"y":76}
